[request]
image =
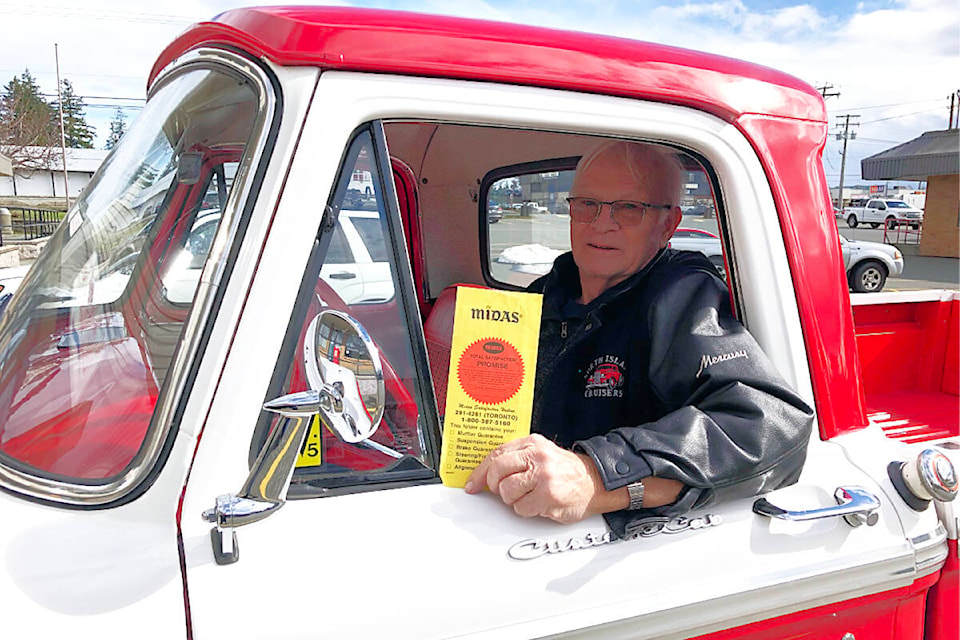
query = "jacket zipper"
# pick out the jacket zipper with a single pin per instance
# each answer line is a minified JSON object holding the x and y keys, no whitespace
{"x":563,"y":329}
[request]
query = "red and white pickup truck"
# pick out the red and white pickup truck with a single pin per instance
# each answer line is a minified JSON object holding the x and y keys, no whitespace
{"x":162,"y":363}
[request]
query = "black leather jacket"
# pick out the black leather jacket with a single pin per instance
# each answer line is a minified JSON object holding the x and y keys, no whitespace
{"x":656,"y":377}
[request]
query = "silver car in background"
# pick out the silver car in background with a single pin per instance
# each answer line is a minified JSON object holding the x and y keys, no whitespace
{"x":705,"y":242}
{"x":869,"y":264}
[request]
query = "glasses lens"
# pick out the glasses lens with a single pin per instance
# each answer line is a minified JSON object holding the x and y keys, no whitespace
{"x":583,"y":210}
{"x":628,"y":214}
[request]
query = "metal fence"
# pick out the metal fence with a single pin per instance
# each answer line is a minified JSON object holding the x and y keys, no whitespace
{"x":903,"y":232}
{"x":29,"y":224}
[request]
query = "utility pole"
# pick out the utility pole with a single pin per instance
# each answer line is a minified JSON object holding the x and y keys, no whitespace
{"x":846,"y":135}
{"x":825,"y":89}
{"x":953,"y":97}
{"x":63,"y":137}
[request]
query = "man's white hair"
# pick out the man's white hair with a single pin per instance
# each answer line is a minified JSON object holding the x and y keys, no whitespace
{"x":648,"y":163}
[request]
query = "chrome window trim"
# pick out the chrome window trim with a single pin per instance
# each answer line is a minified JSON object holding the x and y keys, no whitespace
{"x":98,"y":494}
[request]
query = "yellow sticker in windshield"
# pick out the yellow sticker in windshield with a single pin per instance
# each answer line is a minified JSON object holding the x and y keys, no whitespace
{"x":310,"y":451}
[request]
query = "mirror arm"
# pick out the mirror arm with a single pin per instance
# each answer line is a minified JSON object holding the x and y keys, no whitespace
{"x":353,"y":417}
{"x":265,"y":489}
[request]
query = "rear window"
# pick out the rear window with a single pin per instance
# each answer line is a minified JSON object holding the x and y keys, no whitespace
{"x":527,"y":217}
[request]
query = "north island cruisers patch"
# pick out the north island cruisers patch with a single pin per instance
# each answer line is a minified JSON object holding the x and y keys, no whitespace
{"x":605,"y":378}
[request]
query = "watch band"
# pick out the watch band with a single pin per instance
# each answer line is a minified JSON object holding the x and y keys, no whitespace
{"x":635,"y":490}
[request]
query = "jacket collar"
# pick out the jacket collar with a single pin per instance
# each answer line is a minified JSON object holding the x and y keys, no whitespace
{"x":563,"y":283}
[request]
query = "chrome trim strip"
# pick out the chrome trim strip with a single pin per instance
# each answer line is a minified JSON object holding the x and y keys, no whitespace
{"x":930,"y":551}
{"x":752,"y":605}
{"x":93,"y":495}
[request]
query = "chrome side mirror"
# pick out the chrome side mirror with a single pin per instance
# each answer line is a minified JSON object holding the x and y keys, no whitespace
{"x":341,"y":359}
{"x":346,"y":388}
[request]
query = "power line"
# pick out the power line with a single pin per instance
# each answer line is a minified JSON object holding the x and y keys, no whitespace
{"x":122,"y":107}
{"x":53,"y":95}
{"x":899,"y":104}
{"x":905,"y":115}
{"x":86,"y":13}
{"x":35,"y":72}
{"x":862,"y":139}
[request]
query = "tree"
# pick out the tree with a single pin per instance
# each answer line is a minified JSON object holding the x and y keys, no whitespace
{"x":117,"y":126}
{"x":28,"y":129}
{"x":76,"y":132}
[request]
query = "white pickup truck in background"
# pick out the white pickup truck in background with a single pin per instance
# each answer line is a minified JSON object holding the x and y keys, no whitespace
{"x":877,"y":211}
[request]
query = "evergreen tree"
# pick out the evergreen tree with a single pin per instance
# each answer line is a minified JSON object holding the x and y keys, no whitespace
{"x":76,"y":132}
{"x":28,"y":127}
{"x":117,"y":126}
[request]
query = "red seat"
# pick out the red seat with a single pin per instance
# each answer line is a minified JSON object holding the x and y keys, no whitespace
{"x":438,"y":332}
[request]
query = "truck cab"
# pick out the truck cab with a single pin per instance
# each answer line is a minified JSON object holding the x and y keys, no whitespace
{"x":183,"y":359}
{"x":888,"y":212}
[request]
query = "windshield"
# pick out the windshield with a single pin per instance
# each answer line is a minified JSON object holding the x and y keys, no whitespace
{"x":86,"y":342}
{"x":896,"y":204}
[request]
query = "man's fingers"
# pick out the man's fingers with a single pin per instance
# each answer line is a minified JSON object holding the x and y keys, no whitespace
{"x":479,"y":479}
{"x":506,"y":465}
{"x":516,"y":485}
{"x":528,"y":505}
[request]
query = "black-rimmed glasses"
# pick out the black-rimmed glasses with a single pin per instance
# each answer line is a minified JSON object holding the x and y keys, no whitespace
{"x":626,"y":213}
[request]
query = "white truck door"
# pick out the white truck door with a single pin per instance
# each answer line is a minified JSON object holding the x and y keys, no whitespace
{"x":874,"y":211}
{"x":371,"y":545}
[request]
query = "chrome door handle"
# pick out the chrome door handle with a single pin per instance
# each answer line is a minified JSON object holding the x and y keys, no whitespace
{"x":342,"y":275}
{"x":856,"y":505}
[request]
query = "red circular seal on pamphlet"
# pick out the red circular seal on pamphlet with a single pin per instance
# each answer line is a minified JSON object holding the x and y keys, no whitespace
{"x":490,"y":371}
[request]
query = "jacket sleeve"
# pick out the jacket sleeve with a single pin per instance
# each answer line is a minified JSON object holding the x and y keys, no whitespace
{"x":732,"y":427}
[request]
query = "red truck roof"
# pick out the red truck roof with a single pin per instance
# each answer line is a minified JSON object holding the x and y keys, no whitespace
{"x":351,"y":39}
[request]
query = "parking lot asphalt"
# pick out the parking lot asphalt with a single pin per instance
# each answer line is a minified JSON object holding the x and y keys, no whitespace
{"x":921,"y":272}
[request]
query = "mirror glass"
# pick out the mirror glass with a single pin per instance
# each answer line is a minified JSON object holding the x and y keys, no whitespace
{"x":341,"y":360}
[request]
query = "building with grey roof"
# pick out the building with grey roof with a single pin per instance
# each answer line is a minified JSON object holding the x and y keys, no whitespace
{"x":934,"y":157}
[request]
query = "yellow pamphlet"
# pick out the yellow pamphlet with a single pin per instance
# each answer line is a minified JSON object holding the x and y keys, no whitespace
{"x":493,"y":363}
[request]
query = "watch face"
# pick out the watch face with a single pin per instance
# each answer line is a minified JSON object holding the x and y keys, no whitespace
{"x":635,"y":490}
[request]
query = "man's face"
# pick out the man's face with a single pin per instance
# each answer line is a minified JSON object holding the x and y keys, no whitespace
{"x":605,"y":252}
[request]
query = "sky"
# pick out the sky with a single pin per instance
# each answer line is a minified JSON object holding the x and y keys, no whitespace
{"x":894,"y":63}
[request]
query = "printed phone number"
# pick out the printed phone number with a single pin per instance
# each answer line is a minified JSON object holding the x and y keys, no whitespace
{"x":486,"y":421}
{"x":510,"y":417}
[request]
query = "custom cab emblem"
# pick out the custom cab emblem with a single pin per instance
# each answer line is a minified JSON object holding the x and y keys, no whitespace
{"x":645,"y":528}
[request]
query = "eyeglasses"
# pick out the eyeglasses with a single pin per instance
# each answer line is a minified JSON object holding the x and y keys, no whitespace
{"x":626,"y":213}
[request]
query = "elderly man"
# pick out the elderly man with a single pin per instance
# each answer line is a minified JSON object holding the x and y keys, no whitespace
{"x":649,"y":393}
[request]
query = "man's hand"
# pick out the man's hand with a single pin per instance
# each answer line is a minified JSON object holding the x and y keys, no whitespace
{"x":538,"y":478}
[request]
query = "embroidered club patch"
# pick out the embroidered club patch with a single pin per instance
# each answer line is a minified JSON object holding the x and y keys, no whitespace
{"x":606,"y":377}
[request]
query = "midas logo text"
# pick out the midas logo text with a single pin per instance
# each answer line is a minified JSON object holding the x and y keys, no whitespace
{"x":495,"y":314}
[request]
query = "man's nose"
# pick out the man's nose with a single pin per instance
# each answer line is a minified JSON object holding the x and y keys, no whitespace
{"x":604,"y":220}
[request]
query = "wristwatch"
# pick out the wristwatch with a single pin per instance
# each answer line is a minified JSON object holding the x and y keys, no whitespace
{"x":635,"y":489}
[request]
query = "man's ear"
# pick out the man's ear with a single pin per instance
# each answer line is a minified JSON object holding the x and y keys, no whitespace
{"x":672,"y":220}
